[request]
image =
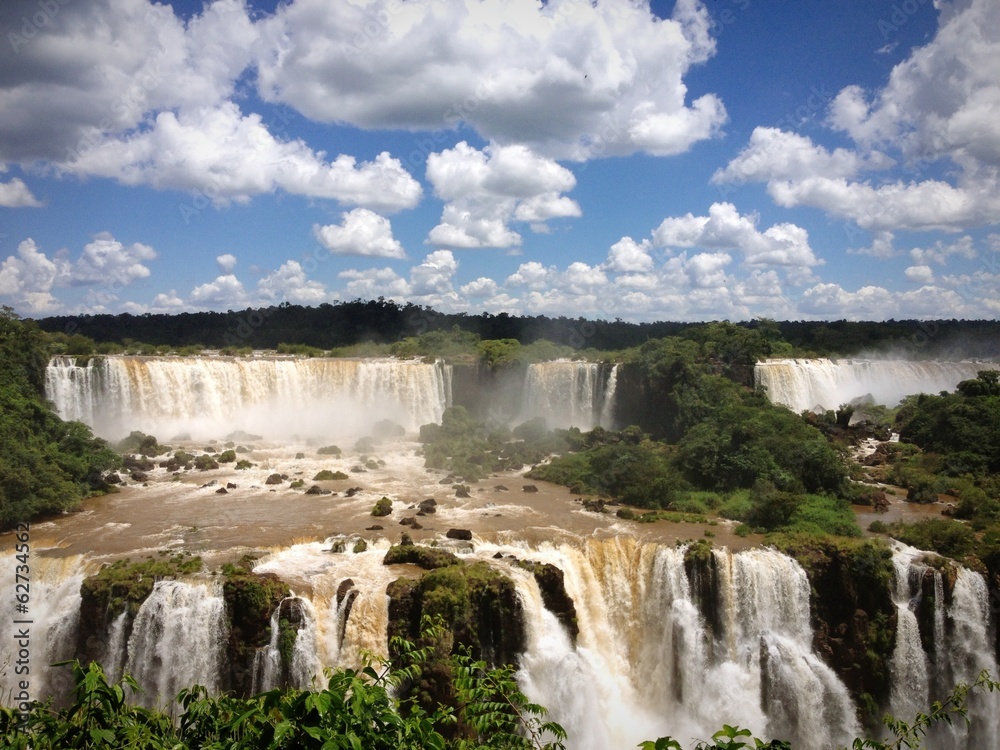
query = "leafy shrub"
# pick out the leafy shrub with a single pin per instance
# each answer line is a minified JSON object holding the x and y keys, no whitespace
{"x":327,"y":475}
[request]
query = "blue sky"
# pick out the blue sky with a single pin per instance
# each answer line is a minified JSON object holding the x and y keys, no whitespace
{"x":685,"y":161}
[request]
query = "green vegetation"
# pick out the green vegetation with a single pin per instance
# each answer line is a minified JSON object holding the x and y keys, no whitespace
{"x":357,"y":709}
{"x":428,"y":558}
{"x":471,"y":451}
{"x":383,"y":507}
{"x":126,"y":585}
{"x":329,"y":450}
{"x":46,"y":465}
{"x":327,"y":475}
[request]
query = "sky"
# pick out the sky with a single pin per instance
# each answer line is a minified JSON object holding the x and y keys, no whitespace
{"x":732,"y":159}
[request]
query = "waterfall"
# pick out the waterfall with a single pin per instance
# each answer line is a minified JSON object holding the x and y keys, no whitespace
{"x":910,"y":677}
{"x":647,"y":664}
{"x":213,"y":396}
{"x":177,"y":641}
{"x":267,"y":660}
{"x":569,"y":393}
{"x":608,"y":407}
{"x":963,"y":647}
{"x":53,"y":616}
{"x":116,"y":650}
{"x":802,"y":384}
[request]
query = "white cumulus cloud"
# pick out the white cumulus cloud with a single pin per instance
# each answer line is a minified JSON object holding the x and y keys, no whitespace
{"x":362,"y":232}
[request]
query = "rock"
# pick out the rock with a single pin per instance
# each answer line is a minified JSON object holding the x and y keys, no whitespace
{"x":376,"y":527}
{"x":230,"y":486}
{"x":880,"y":502}
{"x":428,"y":506}
{"x":428,"y":558}
{"x":113,"y":478}
{"x":498,"y":556}
{"x":352,"y":491}
{"x":463,"y":535}
{"x":594,"y":506}
{"x":408,"y":521}
{"x":209,"y":484}
{"x":139,"y":476}
{"x":500,"y":488}
{"x":300,"y":456}
{"x":317,"y":490}
{"x":222,"y":491}
{"x":529,"y":488}
{"x":462,"y":490}
{"x":274,"y":479}
{"x":450,"y":479}
{"x":358,"y":469}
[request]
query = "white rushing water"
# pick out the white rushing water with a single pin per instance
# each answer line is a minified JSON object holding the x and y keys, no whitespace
{"x":963,"y":647}
{"x":210,"y":397}
{"x":647,"y":664}
{"x":177,"y":641}
{"x":804,"y":384}
{"x":570,"y":393}
{"x":51,"y":620}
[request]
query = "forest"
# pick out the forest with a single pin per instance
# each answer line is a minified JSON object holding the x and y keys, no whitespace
{"x":330,"y":326}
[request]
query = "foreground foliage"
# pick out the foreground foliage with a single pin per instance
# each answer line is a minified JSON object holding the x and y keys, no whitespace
{"x":356,"y":711}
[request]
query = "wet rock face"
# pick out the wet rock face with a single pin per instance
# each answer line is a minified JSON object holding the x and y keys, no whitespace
{"x":551,"y":583}
{"x":480,"y":611}
{"x":250,"y":600}
{"x":854,"y":619}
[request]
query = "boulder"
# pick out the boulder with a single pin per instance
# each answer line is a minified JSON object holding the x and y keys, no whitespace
{"x":463,"y":535}
{"x":428,"y":506}
{"x":529,"y":488}
{"x":274,"y":479}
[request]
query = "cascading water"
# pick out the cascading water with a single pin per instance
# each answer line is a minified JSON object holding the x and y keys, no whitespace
{"x":53,"y":616}
{"x":570,"y":394}
{"x":213,"y":396}
{"x":177,"y":641}
{"x":647,"y":663}
{"x":962,"y":648}
{"x":802,"y":384}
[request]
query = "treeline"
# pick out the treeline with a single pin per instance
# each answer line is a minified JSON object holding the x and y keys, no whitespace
{"x":330,"y":326}
{"x":46,"y":465}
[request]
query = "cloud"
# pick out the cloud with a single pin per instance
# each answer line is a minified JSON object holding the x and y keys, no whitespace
{"x":937,"y":112}
{"x":228,"y":156}
{"x":226,"y":262}
{"x":126,"y":90}
{"x":569,"y":78}
{"x":362,"y":232}
{"x":628,"y":255}
{"x":881,"y":247}
{"x":940,"y":251}
{"x":225,"y":291}
{"x":99,"y":67}
{"x":919,"y":274}
{"x":486,"y":190}
{"x":106,"y":260}
{"x":942,"y":100}
{"x":290,"y":284}
{"x":15,"y":194}
{"x":783,"y":245}
{"x":29,"y":278}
